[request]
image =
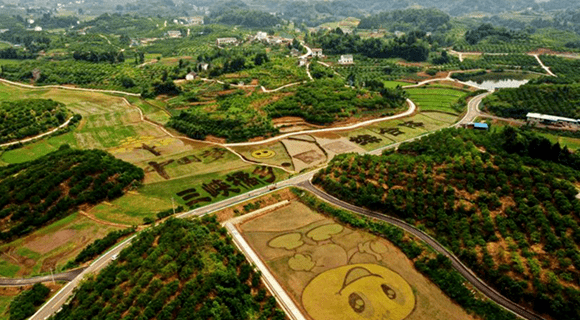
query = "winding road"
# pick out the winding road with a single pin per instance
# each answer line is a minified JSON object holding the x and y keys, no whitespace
{"x":455,"y":262}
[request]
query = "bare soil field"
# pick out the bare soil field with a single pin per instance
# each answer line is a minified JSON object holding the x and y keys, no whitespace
{"x":305,"y":154}
{"x":334,"y":272}
{"x":50,"y":247}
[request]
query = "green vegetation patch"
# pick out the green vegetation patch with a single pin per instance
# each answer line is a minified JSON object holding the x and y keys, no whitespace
{"x":180,"y":269}
{"x":557,"y":100}
{"x":504,"y":202}
{"x":327,"y":101}
{"x":25,"y":118}
{"x":37,"y":192}
{"x":439,"y":99}
{"x":26,"y":303}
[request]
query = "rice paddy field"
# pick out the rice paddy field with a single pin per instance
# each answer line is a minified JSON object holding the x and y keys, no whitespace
{"x":435,"y":99}
{"x":326,"y":268}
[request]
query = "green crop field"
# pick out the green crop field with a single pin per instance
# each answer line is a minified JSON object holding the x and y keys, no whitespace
{"x":442,"y":100}
{"x":4,"y":304}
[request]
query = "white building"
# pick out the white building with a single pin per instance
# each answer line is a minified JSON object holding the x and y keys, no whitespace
{"x":317,"y":52}
{"x":261,"y":35}
{"x":548,"y":119}
{"x":38,"y":28}
{"x":203,"y":66}
{"x":221,"y":41}
{"x":190,"y":76}
{"x":346,"y":59}
{"x":301,"y":62}
{"x":174,"y":34}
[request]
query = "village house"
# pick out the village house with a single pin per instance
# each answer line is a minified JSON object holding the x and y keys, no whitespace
{"x":346,"y":59}
{"x":222,"y":41}
{"x":317,"y":52}
{"x":301,"y":62}
{"x":551,"y":120}
{"x":261,"y":35}
{"x":191,"y":76}
{"x":202,"y":66}
{"x":174,"y":34}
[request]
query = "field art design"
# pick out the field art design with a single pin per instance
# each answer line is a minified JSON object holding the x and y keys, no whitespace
{"x":334,"y":272}
{"x":263,"y":154}
{"x":361,"y":291}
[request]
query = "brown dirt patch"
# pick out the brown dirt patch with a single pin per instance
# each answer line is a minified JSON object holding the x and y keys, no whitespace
{"x":215,"y":139}
{"x":327,"y":135}
{"x":49,"y":242}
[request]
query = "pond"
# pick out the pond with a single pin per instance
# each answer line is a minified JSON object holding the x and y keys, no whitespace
{"x":497,"y":84}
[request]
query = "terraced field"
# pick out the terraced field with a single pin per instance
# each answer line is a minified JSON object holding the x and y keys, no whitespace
{"x":435,"y":99}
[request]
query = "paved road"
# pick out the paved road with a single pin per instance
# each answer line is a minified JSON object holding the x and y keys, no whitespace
{"x":63,"y":276}
{"x":56,"y":302}
{"x":282,"y":296}
{"x":456,"y":263}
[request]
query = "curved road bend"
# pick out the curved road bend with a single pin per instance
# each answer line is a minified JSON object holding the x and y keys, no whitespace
{"x":456,"y":263}
{"x":64,"y":276}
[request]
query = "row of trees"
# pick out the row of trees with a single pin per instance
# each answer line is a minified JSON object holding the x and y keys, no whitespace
{"x":25,"y":118}
{"x":428,"y":20}
{"x":34,"y":193}
{"x":518,"y":191}
{"x":26,"y":303}
{"x":181,"y":269}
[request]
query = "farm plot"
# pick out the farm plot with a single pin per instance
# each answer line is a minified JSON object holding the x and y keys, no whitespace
{"x":305,"y":153}
{"x":203,"y":189}
{"x":334,"y":272}
{"x":274,"y":154}
{"x":50,"y":247}
{"x":442,"y":100}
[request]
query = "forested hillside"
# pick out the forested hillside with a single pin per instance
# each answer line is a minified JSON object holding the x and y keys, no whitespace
{"x":181,"y":269}
{"x":504,"y":202}
{"x":25,"y":118}
{"x":34,"y":193}
{"x":428,"y":20}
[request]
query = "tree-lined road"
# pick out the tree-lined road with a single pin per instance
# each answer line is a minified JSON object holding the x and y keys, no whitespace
{"x":455,"y":262}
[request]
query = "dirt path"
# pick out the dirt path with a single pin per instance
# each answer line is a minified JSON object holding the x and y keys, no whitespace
{"x":543,"y":66}
{"x":37,"y":136}
{"x":63,"y":276}
{"x":99,"y":221}
{"x":69,"y":88}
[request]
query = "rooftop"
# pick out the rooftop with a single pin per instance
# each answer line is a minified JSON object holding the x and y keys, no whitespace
{"x":549,"y":117}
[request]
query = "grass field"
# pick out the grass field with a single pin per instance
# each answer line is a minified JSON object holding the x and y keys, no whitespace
{"x":4,"y":304}
{"x":327,"y":268}
{"x":571,"y":143}
{"x":50,"y":247}
{"x":428,"y":99}
{"x":394,"y":84}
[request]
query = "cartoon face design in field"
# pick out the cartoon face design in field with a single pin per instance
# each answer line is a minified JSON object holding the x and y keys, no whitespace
{"x":359,"y":291}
